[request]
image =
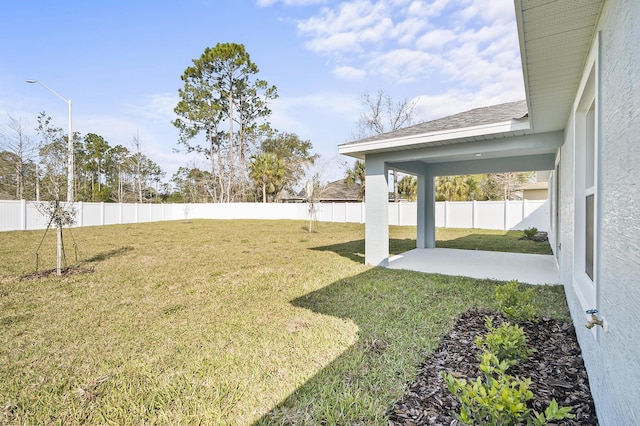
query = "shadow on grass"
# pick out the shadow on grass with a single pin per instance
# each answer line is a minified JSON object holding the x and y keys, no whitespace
{"x":509,"y":242}
{"x":109,"y":254}
{"x":401,"y":316}
{"x":354,"y":250}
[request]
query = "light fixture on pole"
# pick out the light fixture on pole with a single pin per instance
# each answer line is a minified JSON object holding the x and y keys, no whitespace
{"x":70,"y":153}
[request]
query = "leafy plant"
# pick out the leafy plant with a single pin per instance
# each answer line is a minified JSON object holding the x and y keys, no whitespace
{"x":515,"y":302}
{"x":495,"y":399}
{"x":507,"y":342}
{"x":553,"y":412}
{"x":529,"y":233}
{"x":498,"y":399}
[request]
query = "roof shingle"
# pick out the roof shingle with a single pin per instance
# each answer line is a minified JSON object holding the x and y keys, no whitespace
{"x":475,"y":117}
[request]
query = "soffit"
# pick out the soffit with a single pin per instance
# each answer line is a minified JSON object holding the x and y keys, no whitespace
{"x":555,"y":37}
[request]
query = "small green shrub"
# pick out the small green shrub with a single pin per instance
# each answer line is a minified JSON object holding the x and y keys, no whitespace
{"x":507,"y":342}
{"x":498,"y":398}
{"x":495,"y":399}
{"x":515,"y":302}
{"x":529,"y":233}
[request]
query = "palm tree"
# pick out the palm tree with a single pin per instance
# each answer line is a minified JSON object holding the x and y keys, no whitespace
{"x":357,"y":175}
{"x":452,"y":188}
{"x":267,"y":172}
{"x":408,"y":186}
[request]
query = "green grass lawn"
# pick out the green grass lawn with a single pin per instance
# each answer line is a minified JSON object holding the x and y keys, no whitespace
{"x":220,"y":322}
{"x":490,"y":240}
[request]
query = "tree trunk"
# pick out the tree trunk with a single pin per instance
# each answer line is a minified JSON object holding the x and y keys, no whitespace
{"x":231,"y":157}
{"x":37,"y":182}
{"x":214,"y":195}
{"x":58,"y":240}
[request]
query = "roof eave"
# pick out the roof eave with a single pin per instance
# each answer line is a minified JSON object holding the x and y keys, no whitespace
{"x":359,"y":150}
{"x":523,"y":58}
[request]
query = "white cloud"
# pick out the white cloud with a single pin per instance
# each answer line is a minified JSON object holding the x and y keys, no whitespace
{"x":475,"y":40}
{"x":266,"y":3}
{"x":349,"y":73}
{"x":407,"y":30}
{"x":335,"y":43}
{"x":404,"y":65}
{"x":435,"y":39}
{"x":425,"y":9}
{"x":155,"y":107}
{"x":347,"y":27}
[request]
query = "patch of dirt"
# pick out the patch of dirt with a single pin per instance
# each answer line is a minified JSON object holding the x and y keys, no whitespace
{"x":69,"y":270}
{"x":556,"y":370}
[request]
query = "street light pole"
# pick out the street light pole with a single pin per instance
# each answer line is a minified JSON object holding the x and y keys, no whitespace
{"x":70,"y":153}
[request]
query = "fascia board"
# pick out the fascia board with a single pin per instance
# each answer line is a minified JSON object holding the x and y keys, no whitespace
{"x":432,"y":137}
{"x":523,"y":57}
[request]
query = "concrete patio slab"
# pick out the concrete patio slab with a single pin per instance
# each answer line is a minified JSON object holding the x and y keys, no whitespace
{"x":526,"y":268}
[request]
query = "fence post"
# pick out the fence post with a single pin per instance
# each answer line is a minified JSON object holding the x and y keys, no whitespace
{"x":80,"y":214}
{"x":474,"y":214}
{"x":506,"y":215}
{"x":23,"y":215}
{"x":446,"y":214}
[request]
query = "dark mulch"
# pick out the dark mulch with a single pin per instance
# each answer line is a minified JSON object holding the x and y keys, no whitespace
{"x":556,"y":371}
{"x":70,"y":270}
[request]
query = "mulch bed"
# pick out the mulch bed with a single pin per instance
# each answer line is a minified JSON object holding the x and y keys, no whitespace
{"x":556,"y":370}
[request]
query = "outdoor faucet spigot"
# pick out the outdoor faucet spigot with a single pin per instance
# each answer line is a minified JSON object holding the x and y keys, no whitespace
{"x":594,"y":319}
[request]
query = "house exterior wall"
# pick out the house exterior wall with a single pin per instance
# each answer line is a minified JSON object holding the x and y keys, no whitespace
{"x":611,"y":354}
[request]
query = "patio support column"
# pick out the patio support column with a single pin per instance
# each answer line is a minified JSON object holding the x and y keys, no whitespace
{"x":426,"y":220}
{"x":377,"y":212}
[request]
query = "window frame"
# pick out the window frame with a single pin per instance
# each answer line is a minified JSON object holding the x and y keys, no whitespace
{"x":586,"y":200}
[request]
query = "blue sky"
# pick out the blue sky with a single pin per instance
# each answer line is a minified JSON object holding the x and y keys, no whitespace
{"x":120,"y":62}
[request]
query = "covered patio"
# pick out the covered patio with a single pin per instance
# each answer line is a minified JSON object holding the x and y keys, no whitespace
{"x":526,"y":268}
{"x":492,"y":139}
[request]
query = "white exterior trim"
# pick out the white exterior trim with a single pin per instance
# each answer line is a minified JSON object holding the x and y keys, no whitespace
{"x":408,"y":142}
{"x":585,"y":288}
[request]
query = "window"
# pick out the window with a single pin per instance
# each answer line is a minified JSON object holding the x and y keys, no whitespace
{"x":589,"y":190}
{"x":586,"y":196}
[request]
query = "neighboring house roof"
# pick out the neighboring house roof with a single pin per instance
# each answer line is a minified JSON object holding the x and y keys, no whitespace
{"x":340,"y":190}
{"x":533,"y":186}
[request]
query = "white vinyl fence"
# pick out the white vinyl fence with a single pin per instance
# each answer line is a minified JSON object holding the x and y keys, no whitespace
{"x":25,"y":215}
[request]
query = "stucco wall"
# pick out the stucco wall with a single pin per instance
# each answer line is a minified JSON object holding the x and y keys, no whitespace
{"x":612,"y":355}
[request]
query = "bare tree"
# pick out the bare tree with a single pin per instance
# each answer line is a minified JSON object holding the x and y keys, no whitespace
{"x":313,"y":191}
{"x":137,"y":164}
{"x":54,"y":156}
{"x":381,"y":115}
{"x":23,"y":149}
